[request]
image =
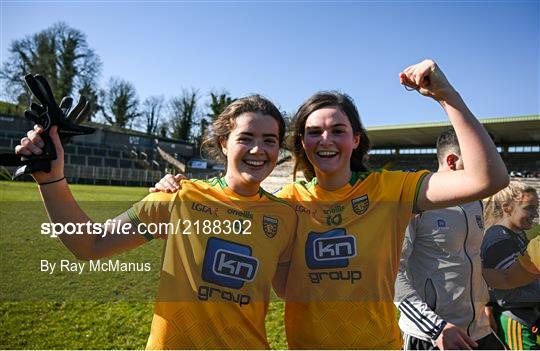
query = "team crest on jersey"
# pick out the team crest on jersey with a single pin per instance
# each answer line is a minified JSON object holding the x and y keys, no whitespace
{"x":360,"y":205}
{"x":479,"y":221}
{"x":270,"y":226}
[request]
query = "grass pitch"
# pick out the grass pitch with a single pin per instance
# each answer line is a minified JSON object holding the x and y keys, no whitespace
{"x":71,"y":311}
{"x":93,"y":310}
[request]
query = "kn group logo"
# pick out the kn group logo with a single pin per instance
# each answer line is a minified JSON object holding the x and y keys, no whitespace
{"x":228,"y":264}
{"x":331,"y":249}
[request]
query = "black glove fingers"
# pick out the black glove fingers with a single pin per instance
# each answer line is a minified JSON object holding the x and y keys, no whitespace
{"x":37,"y":108}
{"x":47,"y":114}
{"x":46,"y":88}
{"x":74,"y":114}
{"x":65,"y":104}
{"x":54,"y":112}
{"x":33,"y":116}
{"x":36,"y":90}
{"x":10,"y":160}
{"x":83,"y":115}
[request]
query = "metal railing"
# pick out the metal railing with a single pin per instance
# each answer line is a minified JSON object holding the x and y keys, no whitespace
{"x":110,"y":175}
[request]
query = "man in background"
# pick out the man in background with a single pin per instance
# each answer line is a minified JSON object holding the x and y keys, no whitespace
{"x":440,"y":291}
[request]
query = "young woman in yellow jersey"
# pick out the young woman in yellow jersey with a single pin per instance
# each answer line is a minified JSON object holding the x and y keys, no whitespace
{"x":226,"y":237}
{"x":351,"y":222}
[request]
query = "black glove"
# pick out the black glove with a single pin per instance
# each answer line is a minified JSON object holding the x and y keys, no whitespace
{"x":49,"y":114}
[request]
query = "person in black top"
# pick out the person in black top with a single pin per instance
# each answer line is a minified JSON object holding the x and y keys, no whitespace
{"x":517,"y":311}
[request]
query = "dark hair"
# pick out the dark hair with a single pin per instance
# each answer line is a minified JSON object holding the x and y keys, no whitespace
{"x":316,"y":102}
{"x":447,"y":141}
{"x":223,"y":125}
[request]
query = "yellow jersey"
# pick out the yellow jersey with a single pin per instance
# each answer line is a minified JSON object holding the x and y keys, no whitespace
{"x":531,"y":259}
{"x":221,"y":253}
{"x":340,"y":286}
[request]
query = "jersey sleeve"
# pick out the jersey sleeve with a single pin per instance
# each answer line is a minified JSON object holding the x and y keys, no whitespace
{"x":412,"y":187}
{"x":401,"y":190}
{"x":404,"y":186}
{"x":531,"y":259}
{"x":499,"y":251}
{"x":154,"y":208}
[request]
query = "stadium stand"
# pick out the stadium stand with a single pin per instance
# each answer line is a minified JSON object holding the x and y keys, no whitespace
{"x":412,"y":146}
{"x":109,"y":156}
{"x":125,"y":157}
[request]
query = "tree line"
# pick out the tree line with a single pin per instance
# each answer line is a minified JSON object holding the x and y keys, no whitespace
{"x":62,"y":55}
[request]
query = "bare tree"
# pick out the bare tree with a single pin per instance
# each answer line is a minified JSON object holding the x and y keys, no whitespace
{"x":120,"y":105}
{"x":150,"y":117}
{"x":184,"y":114}
{"x":203,"y":129}
{"x":218,"y":102}
{"x":59,"y":53}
